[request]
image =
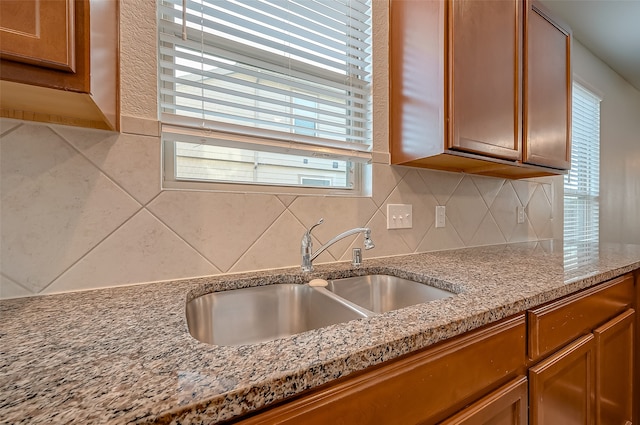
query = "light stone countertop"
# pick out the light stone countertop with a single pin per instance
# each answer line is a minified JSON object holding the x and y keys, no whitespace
{"x":124,"y":355}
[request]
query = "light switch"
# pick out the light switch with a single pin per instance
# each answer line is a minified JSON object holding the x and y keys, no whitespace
{"x":399,"y":216}
{"x":440,"y":216}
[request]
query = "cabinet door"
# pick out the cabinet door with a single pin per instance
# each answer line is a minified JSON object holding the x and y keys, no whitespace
{"x":562,"y":389}
{"x":38,"y":32}
{"x":505,"y":406}
{"x":485,"y":75}
{"x":547,"y":97}
{"x":614,"y":370}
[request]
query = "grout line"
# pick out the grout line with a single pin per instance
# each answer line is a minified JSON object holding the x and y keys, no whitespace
{"x":103,"y":172}
{"x":91,"y":249}
{"x":15,"y":281}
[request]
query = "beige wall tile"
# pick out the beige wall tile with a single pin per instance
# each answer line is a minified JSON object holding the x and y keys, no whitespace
{"x":385,"y":179}
{"x":221,"y":226}
{"x":131,"y":161}
{"x":55,"y":205}
{"x":441,"y":184}
{"x":143,"y":250}
{"x":440,"y":238}
{"x":488,"y":232}
{"x":488,"y":187}
{"x":7,"y":124}
{"x":278,"y":246}
{"x":466,"y":209}
{"x":539,"y":214}
{"x":504,"y":209}
{"x":10,"y":289}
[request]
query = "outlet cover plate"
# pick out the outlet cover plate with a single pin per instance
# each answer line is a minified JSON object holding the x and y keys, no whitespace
{"x":440,"y":216}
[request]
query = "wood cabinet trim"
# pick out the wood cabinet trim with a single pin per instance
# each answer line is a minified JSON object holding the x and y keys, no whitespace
{"x":424,"y":387}
{"x":614,"y":373}
{"x":554,"y":325}
{"x":513,"y":395}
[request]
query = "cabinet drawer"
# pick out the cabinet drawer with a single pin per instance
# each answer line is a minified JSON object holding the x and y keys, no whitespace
{"x":421,"y":388}
{"x":556,"y":324}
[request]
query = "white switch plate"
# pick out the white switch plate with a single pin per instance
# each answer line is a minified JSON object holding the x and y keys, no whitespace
{"x":399,"y":216}
{"x":440,"y":216}
{"x":520,"y":213}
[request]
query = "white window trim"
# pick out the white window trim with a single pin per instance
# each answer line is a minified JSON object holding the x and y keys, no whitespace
{"x":299,"y":144}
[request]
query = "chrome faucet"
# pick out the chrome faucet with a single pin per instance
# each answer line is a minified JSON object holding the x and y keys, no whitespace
{"x":307,"y":244}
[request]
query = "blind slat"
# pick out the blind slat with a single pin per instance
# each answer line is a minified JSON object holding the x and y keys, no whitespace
{"x":581,"y":184}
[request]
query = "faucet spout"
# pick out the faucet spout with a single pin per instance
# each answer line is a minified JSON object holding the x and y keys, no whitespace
{"x":306,"y":247}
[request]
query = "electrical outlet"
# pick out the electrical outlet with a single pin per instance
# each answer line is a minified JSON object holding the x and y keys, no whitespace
{"x":399,"y":216}
{"x":440,"y":216}
{"x":520,"y":214}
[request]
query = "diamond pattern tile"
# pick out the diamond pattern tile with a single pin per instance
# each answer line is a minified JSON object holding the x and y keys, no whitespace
{"x":132,"y":161}
{"x":466,"y":209}
{"x":143,"y":250}
{"x":221,"y":226}
{"x":539,"y":213}
{"x":55,"y":206}
{"x":413,"y":190}
{"x":442,"y":184}
{"x":504,"y":209}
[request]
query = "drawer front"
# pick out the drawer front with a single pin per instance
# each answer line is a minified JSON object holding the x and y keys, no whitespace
{"x":421,"y":388}
{"x":558,"y":323}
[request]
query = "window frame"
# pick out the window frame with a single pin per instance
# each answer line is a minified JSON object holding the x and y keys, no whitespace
{"x":358,"y":170}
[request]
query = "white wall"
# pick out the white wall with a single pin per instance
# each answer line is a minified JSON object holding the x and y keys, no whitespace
{"x":619,"y":147}
{"x":83,"y":209}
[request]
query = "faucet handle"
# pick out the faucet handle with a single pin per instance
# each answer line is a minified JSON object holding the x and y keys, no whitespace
{"x":308,"y":233}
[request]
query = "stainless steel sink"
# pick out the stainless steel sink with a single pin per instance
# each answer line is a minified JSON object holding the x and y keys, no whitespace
{"x":381,"y":293}
{"x":251,"y":315}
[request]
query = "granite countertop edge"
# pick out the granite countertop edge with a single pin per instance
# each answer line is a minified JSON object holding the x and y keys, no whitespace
{"x":135,"y":362}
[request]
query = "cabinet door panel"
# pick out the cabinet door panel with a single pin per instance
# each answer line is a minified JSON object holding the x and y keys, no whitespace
{"x":614,"y":370}
{"x":485,"y":69}
{"x":505,"y":406}
{"x":547,"y":118}
{"x":38,"y":32}
{"x":562,"y":386}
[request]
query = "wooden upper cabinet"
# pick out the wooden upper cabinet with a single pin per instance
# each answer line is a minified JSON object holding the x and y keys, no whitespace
{"x":485,"y":63}
{"x":59,"y":61}
{"x":38,"y":32}
{"x":457,"y":101}
{"x":548,"y":82}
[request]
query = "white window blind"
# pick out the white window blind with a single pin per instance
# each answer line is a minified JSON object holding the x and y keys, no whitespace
{"x":582,"y":183}
{"x":265,"y":91}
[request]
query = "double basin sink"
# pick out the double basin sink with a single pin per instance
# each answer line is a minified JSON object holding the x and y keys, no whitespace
{"x":263,"y":313}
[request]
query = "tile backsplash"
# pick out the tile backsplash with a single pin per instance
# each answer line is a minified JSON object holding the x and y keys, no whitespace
{"x":83,"y":209}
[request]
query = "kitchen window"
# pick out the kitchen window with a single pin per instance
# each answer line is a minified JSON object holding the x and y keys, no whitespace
{"x":266,"y":92}
{"x":582,"y":183}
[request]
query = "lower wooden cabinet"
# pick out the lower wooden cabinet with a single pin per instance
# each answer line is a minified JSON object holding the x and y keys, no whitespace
{"x":588,"y":339}
{"x":421,"y":388}
{"x":505,"y":406}
{"x":614,"y":370}
{"x":562,"y":389}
